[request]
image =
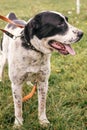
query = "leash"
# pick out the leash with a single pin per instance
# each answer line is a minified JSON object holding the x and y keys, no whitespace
{"x":9,"y":34}
{"x":30,"y":94}
{"x":25,"y":98}
{"x":11,"y":22}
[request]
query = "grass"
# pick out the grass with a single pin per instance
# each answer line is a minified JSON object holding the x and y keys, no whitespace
{"x":67,"y":95}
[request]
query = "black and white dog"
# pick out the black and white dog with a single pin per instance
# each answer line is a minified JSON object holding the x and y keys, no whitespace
{"x":29,"y":54}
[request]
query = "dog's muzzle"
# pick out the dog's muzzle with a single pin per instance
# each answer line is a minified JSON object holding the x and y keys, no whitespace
{"x":62,"y":48}
{"x":65,"y":48}
{"x":79,"y":35}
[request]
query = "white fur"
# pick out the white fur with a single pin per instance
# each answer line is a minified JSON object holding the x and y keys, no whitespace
{"x":29,"y":65}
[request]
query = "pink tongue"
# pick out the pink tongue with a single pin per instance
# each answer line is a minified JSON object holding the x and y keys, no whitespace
{"x":69,"y":49}
{"x":55,"y":45}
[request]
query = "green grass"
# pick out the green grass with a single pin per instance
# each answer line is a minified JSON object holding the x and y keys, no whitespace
{"x":67,"y":95}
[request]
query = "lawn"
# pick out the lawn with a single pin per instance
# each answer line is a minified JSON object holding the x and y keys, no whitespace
{"x":67,"y":95}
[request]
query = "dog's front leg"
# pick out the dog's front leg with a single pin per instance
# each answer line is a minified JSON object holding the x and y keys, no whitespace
{"x":17,"y":97}
{"x":42,"y":92}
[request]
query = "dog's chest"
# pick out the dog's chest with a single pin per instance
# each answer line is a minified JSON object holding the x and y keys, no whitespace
{"x":29,"y":64}
{"x":33,"y":62}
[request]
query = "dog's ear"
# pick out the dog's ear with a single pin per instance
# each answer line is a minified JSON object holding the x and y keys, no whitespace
{"x":31,"y":28}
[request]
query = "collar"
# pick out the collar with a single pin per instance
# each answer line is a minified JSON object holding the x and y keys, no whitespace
{"x":27,"y":44}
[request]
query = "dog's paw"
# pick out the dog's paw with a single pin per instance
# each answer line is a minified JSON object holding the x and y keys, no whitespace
{"x":17,"y":127}
{"x":44,"y":123}
{"x":18,"y":124}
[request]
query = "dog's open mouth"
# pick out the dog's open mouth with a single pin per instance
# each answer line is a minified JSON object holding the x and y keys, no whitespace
{"x":62,"y":48}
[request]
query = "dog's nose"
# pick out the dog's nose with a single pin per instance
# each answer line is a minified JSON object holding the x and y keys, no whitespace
{"x":80,"y":34}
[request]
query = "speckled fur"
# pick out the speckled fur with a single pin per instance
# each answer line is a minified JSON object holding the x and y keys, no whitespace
{"x":26,"y":66}
{"x":29,"y":65}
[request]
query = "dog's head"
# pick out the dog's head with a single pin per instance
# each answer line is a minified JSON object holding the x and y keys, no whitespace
{"x":50,"y":30}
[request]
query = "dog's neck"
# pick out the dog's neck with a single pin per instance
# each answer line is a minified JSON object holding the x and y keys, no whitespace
{"x":27,"y":44}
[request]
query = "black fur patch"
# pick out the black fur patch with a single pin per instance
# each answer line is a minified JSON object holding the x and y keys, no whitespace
{"x":46,"y":24}
{"x":50,"y":24}
{"x":24,"y":42}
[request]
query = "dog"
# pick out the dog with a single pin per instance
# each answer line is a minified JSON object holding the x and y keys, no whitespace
{"x":28,"y":56}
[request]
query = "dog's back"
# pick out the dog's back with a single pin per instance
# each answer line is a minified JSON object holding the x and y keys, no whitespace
{"x":4,"y":45}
